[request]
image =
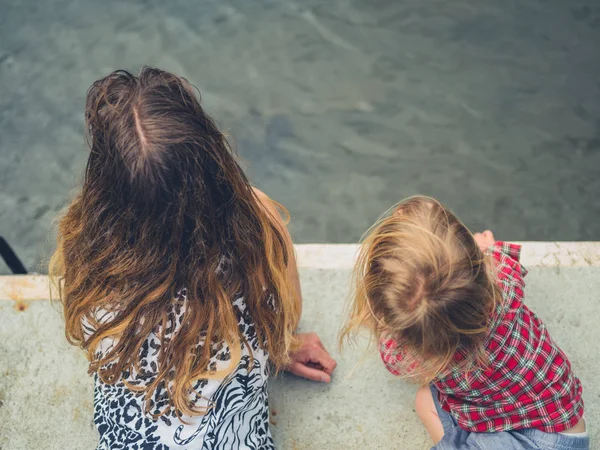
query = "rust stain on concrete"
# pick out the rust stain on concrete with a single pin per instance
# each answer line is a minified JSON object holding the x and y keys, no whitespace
{"x":21,"y":305}
{"x":15,"y":293}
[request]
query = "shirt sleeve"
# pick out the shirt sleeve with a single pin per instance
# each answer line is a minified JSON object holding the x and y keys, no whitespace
{"x":511,"y":250}
{"x":508,"y":254}
{"x":394,"y":357}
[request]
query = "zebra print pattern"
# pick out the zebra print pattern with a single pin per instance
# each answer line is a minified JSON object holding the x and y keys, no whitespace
{"x":239,"y":413}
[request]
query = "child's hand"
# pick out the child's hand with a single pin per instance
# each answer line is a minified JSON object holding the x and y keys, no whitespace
{"x":311,"y":360}
{"x":485,"y":239}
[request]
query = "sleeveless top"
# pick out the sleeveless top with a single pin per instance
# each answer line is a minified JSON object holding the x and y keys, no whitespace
{"x":237,"y":419}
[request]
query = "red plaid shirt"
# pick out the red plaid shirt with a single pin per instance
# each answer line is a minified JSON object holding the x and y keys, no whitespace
{"x":529,"y":382}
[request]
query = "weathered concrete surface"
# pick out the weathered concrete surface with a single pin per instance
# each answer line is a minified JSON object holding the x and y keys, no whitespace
{"x":46,"y":397}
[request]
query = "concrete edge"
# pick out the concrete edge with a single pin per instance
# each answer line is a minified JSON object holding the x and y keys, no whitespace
{"x":541,"y":254}
{"x":24,"y":288}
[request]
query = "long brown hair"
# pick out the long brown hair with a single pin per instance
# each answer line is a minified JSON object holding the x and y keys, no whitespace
{"x":422,"y":280}
{"x":163,"y":204}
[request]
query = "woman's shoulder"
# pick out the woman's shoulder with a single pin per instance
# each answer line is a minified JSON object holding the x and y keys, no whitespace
{"x":271,"y":207}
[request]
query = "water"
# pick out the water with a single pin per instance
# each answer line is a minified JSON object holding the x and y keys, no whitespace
{"x":340,"y":108}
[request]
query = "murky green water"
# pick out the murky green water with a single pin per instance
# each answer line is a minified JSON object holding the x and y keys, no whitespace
{"x":341,"y":108}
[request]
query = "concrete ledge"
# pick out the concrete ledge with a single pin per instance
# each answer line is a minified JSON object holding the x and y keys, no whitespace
{"x":342,"y":256}
{"x":534,"y":254}
{"x":46,"y":395}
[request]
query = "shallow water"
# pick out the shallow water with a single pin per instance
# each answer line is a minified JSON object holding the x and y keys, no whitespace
{"x":340,"y":108}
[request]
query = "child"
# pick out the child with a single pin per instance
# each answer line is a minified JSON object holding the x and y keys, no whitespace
{"x":448,"y":308}
{"x":177,"y":277}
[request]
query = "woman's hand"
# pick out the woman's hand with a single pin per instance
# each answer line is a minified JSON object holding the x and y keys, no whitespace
{"x":485,"y":239}
{"x":312,"y":361}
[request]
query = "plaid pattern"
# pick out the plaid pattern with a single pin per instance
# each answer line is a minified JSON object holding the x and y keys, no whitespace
{"x":529,"y":382}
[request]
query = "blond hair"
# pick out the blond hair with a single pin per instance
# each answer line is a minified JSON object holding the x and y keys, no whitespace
{"x":421,"y":279}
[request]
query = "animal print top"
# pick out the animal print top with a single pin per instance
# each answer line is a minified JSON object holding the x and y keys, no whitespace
{"x":238,"y":418}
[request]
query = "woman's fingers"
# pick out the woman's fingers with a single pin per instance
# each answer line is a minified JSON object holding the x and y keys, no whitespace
{"x":328,"y":365}
{"x":312,"y":360}
{"x":302,"y":370}
{"x":318,"y":355}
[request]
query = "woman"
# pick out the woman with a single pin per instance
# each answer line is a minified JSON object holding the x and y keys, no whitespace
{"x":176,"y":276}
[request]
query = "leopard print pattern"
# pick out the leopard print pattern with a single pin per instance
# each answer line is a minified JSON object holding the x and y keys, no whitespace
{"x":238,"y":417}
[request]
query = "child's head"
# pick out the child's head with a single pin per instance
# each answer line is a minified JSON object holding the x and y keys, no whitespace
{"x":422,"y":280}
{"x":164,"y":206}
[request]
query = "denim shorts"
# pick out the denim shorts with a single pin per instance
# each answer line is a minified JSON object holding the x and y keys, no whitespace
{"x":456,"y":438}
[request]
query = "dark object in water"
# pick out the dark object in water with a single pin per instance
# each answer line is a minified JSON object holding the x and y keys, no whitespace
{"x":11,"y":259}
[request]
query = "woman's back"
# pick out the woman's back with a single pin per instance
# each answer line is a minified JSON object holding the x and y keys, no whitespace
{"x":175,"y":277}
{"x":237,"y":416}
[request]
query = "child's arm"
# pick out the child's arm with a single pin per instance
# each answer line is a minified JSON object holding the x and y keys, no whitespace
{"x":511,"y":252}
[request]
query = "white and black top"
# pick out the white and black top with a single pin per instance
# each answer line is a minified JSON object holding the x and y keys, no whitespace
{"x":238,"y":418}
